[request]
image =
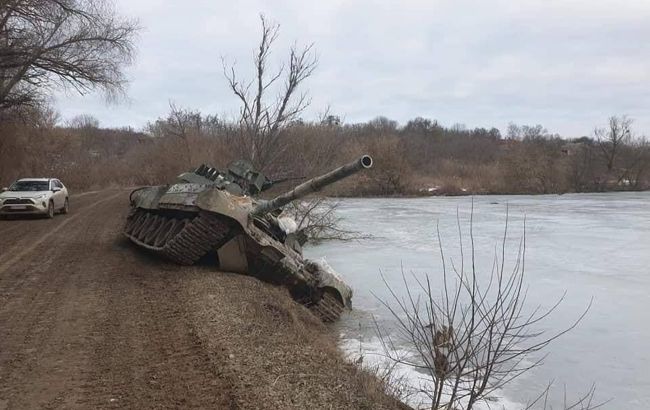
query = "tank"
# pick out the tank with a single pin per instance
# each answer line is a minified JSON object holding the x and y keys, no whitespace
{"x":208,"y":210}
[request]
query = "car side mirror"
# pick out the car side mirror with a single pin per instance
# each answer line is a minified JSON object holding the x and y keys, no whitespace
{"x":56,"y":189}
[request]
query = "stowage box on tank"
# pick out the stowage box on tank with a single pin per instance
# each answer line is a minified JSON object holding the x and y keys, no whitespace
{"x":210,"y":210}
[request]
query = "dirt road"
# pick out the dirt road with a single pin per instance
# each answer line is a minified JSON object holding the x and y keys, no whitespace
{"x":89,"y":321}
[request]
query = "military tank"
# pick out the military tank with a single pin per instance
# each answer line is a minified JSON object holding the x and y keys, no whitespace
{"x":210,"y":210}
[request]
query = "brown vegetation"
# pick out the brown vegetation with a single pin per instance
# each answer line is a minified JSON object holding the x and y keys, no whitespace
{"x":420,"y":158}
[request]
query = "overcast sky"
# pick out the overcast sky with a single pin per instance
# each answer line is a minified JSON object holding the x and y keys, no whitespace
{"x":565,"y":64}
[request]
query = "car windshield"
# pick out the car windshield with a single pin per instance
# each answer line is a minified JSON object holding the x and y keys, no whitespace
{"x":20,"y":186}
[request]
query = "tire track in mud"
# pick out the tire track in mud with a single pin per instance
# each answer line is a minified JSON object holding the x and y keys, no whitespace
{"x":4,"y":265}
{"x":16,"y":233}
{"x":167,"y":363}
{"x":36,"y":297}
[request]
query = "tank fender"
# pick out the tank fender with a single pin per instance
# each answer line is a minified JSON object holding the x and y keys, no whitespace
{"x":147,"y":197}
{"x":329,"y":280}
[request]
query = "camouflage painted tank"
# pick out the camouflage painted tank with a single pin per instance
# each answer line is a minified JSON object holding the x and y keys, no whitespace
{"x":210,"y":210}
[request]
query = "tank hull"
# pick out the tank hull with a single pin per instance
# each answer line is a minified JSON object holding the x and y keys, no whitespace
{"x":186,"y":221}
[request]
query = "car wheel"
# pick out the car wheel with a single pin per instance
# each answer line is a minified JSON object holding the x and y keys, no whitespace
{"x":66,"y":207}
{"x":50,"y":210}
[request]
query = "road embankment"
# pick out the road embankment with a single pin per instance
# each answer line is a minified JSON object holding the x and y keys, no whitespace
{"x":88,"y":321}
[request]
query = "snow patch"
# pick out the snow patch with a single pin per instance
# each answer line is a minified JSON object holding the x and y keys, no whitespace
{"x":370,"y":354}
{"x":287,"y":224}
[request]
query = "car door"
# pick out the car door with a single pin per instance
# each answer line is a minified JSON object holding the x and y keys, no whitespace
{"x":58,"y":195}
{"x":64,"y":193}
{"x":64,"y":190}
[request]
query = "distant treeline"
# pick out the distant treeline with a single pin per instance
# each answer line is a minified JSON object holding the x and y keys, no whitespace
{"x":85,"y":46}
{"x":420,"y":157}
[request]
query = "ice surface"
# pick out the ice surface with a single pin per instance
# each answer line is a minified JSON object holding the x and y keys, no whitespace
{"x":591,"y":245}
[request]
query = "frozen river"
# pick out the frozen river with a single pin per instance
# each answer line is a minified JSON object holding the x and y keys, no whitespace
{"x":589,"y":245}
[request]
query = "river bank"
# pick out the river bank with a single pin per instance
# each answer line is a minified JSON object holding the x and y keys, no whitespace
{"x":277,"y":354}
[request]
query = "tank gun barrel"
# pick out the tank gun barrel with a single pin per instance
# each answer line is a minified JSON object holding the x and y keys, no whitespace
{"x":314,"y":185}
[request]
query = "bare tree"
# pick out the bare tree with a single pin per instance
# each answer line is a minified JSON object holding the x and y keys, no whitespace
{"x":79,"y":44}
{"x":181,"y":125}
{"x":263,"y":118}
{"x":640,"y":162}
{"x":475,"y":334}
{"x":82,"y":121}
{"x":584,"y":402}
{"x":611,"y":139}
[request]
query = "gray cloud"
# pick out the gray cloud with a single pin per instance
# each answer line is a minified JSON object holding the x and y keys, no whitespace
{"x":566,"y":64}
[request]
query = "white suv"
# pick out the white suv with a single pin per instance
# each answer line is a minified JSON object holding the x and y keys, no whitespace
{"x":43,"y":196}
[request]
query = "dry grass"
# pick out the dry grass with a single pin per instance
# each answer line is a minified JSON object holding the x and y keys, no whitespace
{"x":279,"y":354}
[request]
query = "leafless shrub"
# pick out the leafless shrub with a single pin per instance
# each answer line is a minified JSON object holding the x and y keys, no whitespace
{"x":318,"y":220}
{"x":476,"y":334}
{"x":392,"y":174}
{"x":83,"y":121}
{"x":584,"y":402}
{"x":611,"y":139}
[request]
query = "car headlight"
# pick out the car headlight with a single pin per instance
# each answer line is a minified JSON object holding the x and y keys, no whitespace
{"x":42,"y":196}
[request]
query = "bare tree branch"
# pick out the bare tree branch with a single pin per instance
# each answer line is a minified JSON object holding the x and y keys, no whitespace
{"x":262,"y":118}
{"x":81,"y":44}
{"x":476,"y":334}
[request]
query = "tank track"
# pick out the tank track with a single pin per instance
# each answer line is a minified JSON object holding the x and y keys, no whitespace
{"x":183,"y":240}
{"x":328,"y":308}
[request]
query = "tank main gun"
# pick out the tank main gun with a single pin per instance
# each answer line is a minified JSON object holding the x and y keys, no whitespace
{"x":314,"y":185}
